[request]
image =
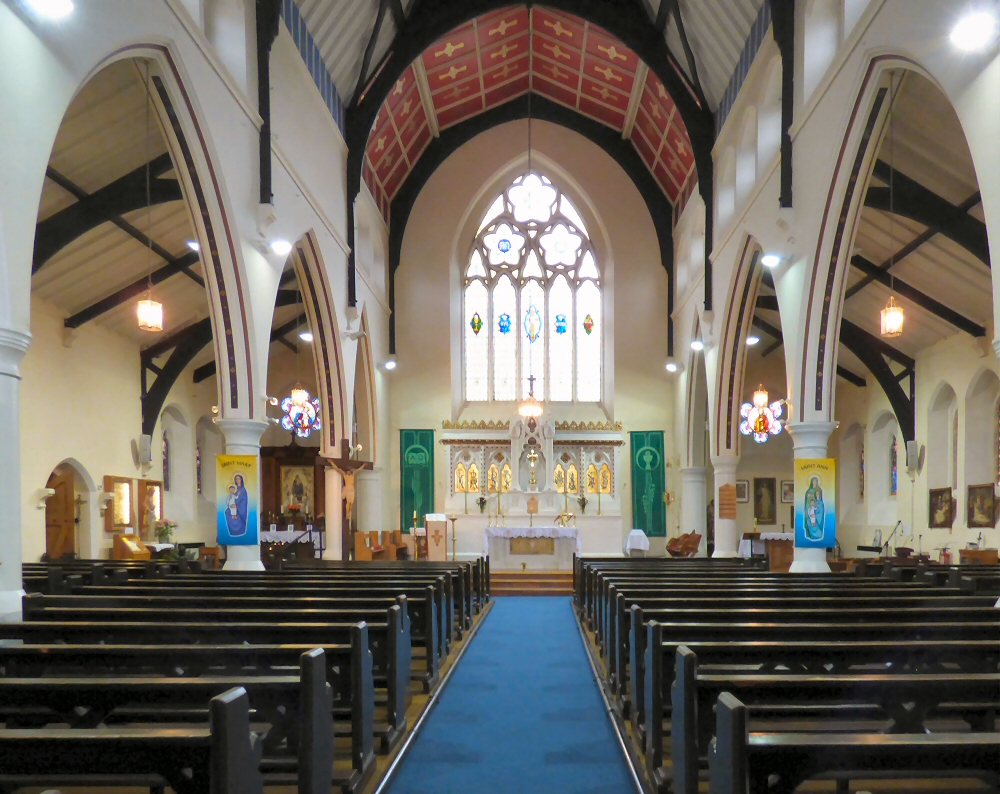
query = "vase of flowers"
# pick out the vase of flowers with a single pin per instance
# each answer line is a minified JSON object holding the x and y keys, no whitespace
{"x":481,"y":501}
{"x":164,"y":530}
{"x":582,"y":501}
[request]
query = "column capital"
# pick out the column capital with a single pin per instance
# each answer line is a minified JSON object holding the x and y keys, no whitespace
{"x":725,"y":465}
{"x":13,"y":346}
{"x":693,"y":472}
{"x":242,"y":432}
{"x":811,"y":438}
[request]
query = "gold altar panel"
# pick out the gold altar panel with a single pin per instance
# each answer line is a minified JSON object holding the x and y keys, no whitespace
{"x":532,"y":545}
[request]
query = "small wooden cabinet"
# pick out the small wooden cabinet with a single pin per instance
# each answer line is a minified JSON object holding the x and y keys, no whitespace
{"x":981,"y":556}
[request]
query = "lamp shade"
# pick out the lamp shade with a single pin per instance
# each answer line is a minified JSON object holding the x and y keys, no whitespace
{"x":150,"y":314}
{"x":892,"y":319}
{"x":530,"y":407}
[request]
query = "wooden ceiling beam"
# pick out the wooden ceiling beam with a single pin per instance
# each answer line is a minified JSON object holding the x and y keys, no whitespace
{"x":131,"y":291}
{"x":106,"y":205}
{"x":915,"y":296}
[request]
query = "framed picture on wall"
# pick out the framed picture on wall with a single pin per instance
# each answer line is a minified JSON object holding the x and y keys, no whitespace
{"x":787,"y":492}
{"x":940,"y":508}
{"x":742,"y":492}
{"x":981,"y":506}
{"x":764,"y":501}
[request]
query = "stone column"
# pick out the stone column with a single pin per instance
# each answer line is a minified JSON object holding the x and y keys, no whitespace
{"x":694,"y":504}
{"x":243,"y":438}
{"x":727,"y":540}
{"x":334,"y":513}
{"x":13,"y":346}
{"x":810,"y":439}
{"x":369,"y":485}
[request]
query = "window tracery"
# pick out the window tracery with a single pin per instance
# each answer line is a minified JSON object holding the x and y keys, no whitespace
{"x":532,"y":305}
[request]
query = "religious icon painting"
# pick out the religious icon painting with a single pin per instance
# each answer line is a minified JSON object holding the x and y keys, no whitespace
{"x":592,"y":478}
{"x":605,"y":479}
{"x":532,"y":324}
{"x":572,"y":479}
{"x":787,"y":492}
{"x":940,"y":508}
{"x":559,"y":478}
{"x":742,"y":492}
{"x":473,"y":478}
{"x":981,"y":506}
{"x":815,"y":495}
{"x":764,"y":502}
{"x":461,"y":483}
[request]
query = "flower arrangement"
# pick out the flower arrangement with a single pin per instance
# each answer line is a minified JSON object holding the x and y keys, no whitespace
{"x":164,"y":530}
{"x":582,"y":501}
{"x":481,"y":501}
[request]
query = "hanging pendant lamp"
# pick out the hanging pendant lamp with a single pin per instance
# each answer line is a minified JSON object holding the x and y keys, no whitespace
{"x":891,"y":317}
{"x":149,"y":311}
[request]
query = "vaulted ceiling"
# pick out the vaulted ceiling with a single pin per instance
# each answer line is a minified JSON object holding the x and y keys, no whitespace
{"x":505,"y":54}
{"x":716,"y":31}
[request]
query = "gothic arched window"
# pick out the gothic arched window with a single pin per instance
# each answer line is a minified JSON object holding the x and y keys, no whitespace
{"x":532,"y":300}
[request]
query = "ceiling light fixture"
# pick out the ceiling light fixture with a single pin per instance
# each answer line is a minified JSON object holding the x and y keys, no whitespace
{"x":697,"y":345}
{"x":53,"y":9}
{"x":891,"y":317}
{"x":974,"y":32}
{"x":306,"y":336}
{"x":770,"y":260}
{"x":671,"y":365}
{"x":281,"y":247}
{"x":149,"y":312}
{"x":193,"y":245}
{"x":752,"y":340}
{"x":390,"y":363}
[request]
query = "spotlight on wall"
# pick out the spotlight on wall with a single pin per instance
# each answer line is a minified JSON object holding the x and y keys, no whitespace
{"x":281,"y":247}
{"x":697,"y":345}
{"x":974,"y":32}
{"x":53,"y":9}
{"x":752,"y":340}
{"x":193,"y":245}
{"x":306,"y":336}
{"x":672,"y":365}
{"x":390,"y":363}
{"x":770,"y":260}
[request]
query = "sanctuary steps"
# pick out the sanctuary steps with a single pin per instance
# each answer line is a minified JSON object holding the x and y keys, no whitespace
{"x":532,"y":583}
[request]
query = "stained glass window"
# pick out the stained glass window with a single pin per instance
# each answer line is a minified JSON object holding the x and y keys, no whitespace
{"x":893,"y":468}
{"x":533,"y":304}
{"x":861,"y":474}
{"x":166,"y":462}
{"x":197,"y":467}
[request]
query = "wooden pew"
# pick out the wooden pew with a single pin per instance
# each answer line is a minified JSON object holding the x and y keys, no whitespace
{"x":223,"y":759}
{"x":423,"y":611}
{"x":741,"y":762}
{"x":298,"y":708}
{"x":387,"y":642}
{"x":905,"y":700}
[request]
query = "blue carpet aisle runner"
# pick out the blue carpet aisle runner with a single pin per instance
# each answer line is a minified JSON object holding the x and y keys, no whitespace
{"x":521,"y":714}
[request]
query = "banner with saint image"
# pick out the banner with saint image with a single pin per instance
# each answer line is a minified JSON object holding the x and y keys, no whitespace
{"x":416,"y":476}
{"x":236,"y":493}
{"x":816,"y":503}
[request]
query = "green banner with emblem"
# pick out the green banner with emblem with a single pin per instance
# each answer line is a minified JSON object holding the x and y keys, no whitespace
{"x":416,"y":468}
{"x":649,"y":511}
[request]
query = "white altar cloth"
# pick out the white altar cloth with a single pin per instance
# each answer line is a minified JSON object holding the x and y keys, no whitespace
{"x":636,"y":540}
{"x":531,"y":532}
{"x":284,"y":536}
{"x":746,"y":550}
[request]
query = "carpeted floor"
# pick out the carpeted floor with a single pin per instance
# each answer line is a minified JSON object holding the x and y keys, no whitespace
{"x":520,"y":715}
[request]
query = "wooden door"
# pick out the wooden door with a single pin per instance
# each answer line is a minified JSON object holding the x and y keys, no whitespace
{"x":60,"y":517}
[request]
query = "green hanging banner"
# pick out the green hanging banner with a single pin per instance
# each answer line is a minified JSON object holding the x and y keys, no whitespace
{"x":416,"y":468}
{"x":649,"y":511}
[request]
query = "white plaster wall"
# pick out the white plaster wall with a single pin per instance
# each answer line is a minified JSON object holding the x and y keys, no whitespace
{"x":82,"y":403}
{"x":428,"y":284}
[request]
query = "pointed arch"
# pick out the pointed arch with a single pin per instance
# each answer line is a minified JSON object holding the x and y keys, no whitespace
{"x":697,"y":404}
{"x":365,"y":419}
{"x":732,"y":351}
{"x":193,"y":155}
{"x":328,"y":361}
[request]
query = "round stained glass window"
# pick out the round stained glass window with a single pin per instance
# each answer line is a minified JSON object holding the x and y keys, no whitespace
{"x":504,"y":246}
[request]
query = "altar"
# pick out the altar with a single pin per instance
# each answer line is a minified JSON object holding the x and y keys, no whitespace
{"x":519,"y":548}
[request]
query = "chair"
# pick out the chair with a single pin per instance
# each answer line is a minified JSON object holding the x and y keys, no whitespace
{"x":675,"y":545}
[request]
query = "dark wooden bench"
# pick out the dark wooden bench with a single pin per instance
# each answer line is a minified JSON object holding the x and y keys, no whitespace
{"x":223,"y":758}
{"x":741,"y":762}
{"x":898,"y":702}
{"x":387,"y":643}
{"x":298,"y":708}
{"x":423,"y":612}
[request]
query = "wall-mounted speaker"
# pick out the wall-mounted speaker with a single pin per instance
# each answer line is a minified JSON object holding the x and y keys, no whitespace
{"x":912,"y":456}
